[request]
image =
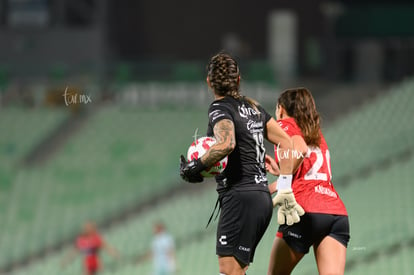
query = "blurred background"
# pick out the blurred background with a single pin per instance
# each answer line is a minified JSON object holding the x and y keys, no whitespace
{"x":99,"y":98}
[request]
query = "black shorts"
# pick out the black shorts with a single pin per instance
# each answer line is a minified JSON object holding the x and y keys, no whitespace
{"x":244,"y":218}
{"x":312,"y":228}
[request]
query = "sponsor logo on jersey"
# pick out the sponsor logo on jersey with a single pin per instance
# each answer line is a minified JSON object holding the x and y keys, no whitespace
{"x":245,"y":112}
{"x":215,"y":115}
{"x":260,"y":178}
{"x":254,"y":125}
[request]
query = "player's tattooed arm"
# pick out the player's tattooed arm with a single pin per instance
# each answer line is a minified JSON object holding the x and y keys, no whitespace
{"x":225,"y":136}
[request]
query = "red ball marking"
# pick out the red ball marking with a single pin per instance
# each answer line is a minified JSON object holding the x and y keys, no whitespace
{"x":194,"y":155}
{"x":205,"y":144}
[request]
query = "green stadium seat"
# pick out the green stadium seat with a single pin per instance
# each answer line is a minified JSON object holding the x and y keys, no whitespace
{"x":378,"y":131}
{"x":122,"y":157}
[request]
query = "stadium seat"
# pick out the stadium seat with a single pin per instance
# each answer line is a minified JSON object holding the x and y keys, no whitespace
{"x":378,"y":131}
{"x":123,"y":157}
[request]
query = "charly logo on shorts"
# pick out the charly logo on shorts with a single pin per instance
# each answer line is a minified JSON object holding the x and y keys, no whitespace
{"x":222,"y":240}
{"x":246,"y":249}
{"x":294,"y":235}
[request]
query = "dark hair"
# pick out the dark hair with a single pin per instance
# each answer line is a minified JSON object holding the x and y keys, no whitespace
{"x":224,"y":76}
{"x":299,"y":104}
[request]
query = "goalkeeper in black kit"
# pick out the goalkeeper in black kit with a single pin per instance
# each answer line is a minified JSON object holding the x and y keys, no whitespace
{"x":240,"y":125}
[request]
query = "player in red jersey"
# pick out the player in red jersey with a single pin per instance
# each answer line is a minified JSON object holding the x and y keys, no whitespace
{"x":325,"y":225}
{"x":89,"y":243}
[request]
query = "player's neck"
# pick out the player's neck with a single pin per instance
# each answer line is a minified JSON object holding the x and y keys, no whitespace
{"x":285,"y":117}
{"x":218,"y":97}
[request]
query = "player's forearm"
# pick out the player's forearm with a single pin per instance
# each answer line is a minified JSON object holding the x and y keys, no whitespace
{"x":226,"y":142}
{"x":296,"y":164}
{"x":299,"y":151}
{"x":284,"y":154}
{"x":284,"y":143}
{"x":216,"y":153}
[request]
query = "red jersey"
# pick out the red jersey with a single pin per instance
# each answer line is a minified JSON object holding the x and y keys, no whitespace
{"x":90,"y":246}
{"x":312,"y":182}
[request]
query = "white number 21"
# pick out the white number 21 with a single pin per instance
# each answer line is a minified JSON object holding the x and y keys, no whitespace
{"x":314,"y":172}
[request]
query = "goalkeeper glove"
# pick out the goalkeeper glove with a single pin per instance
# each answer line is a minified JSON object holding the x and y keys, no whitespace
{"x":289,"y":210}
{"x":190,"y":171}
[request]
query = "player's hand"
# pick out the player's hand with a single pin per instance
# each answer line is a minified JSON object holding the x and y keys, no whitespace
{"x":271,"y":166}
{"x":190,"y":171}
{"x":289,"y":210}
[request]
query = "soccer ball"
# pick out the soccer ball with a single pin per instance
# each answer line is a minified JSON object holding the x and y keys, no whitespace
{"x":199,"y":148}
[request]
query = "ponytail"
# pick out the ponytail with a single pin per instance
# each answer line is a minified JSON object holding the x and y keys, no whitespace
{"x":224,"y":76}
